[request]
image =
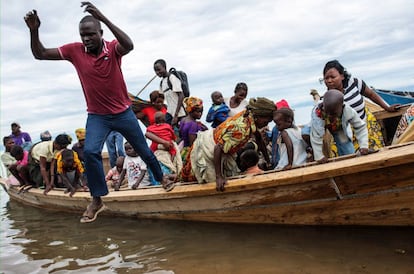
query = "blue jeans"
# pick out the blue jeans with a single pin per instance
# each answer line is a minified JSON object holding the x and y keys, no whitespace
{"x":115,"y":145}
{"x":343,"y":144}
{"x":97,"y":129}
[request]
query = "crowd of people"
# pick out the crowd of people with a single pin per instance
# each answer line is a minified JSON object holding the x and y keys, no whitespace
{"x":183,"y":148}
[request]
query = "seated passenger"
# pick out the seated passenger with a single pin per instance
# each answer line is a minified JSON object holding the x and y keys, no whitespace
{"x":134,"y":169}
{"x":190,"y":126}
{"x":20,"y":138}
{"x":20,"y":169}
{"x":70,"y":171}
{"x":219,"y":111}
{"x":6,"y":157}
{"x":249,"y":160}
{"x":337,"y":117}
{"x":79,"y":146}
{"x":291,"y":146}
{"x":45,"y":136}
{"x":146,"y":112}
{"x":113,"y":175}
{"x":164,"y":146}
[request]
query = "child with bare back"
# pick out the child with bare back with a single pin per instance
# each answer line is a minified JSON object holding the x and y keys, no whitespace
{"x":70,"y":171}
{"x":134,"y":168}
{"x":114,"y":174}
{"x":292,"y":148}
{"x":249,"y":161}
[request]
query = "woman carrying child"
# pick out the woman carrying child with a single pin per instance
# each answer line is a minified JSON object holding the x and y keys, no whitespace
{"x":189,"y":128}
{"x":163,"y":145}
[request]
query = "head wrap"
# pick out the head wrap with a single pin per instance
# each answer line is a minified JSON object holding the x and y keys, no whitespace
{"x":282,"y":104}
{"x":63,"y":139}
{"x":191,"y":103}
{"x":45,"y":136}
{"x":80,"y":134}
{"x":261,"y":106}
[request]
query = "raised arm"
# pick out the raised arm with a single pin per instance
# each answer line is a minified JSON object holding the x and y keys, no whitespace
{"x":38,"y":50}
{"x":125,"y":43}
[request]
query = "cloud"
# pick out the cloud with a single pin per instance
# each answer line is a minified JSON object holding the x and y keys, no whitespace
{"x":277,"y":47}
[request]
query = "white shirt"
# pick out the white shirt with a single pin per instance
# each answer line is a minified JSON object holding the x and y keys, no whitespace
{"x":234,"y":111}
{"x":171,"y":96}
{"x":299,"y":149}
{"x":134,"y":166}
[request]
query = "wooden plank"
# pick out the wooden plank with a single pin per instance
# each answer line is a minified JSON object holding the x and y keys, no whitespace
{"x":386,"y":209}
{"x":376,"y":180}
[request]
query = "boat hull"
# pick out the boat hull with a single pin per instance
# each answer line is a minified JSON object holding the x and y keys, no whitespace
{"x":377,"y":189}
{"x":396,"y":97}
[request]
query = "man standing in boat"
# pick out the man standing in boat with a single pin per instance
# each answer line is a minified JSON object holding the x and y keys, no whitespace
{"x":97,"y":63}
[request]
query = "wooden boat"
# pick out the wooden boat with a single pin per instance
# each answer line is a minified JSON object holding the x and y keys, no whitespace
{"x":376,"y":189}
{"x":396,"y":97}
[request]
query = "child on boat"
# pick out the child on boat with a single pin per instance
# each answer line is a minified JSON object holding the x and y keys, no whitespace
{"x":113,"y":175}
{"x":291,"y":146}
{"x":20,"y":169}
{"x":41,"y":156}
{"x":163,"y":145}
{"x":337,"y":117}
{"x":134,"y":168}
{"x":219,"y":111}
{"x":70,"y":171}
{"x":249,"y":162}
{"x":8,"y":160}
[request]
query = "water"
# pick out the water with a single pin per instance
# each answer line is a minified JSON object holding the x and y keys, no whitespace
{"x":41,"y":241}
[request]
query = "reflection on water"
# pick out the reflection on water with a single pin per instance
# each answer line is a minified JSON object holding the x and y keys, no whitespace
{"x":40,"y":241}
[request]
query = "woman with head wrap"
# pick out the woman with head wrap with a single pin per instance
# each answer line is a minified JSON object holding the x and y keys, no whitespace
{"x":78,"y":147}
{"x":214,"y":151}
{"x":189,"y":128}
{"x":189,"y":125}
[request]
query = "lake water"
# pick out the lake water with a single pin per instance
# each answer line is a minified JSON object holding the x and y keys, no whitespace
{"x":40,"y":241}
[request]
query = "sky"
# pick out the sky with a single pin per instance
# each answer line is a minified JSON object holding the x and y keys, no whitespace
{"x":277,"y":47}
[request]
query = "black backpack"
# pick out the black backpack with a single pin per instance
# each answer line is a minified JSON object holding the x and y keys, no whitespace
{"x":182,"y":76}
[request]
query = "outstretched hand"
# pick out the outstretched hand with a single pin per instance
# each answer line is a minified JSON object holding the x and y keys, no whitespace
{"x":32,"y":20}
{"x":94,"y":11}
{"x":393,"y":108}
